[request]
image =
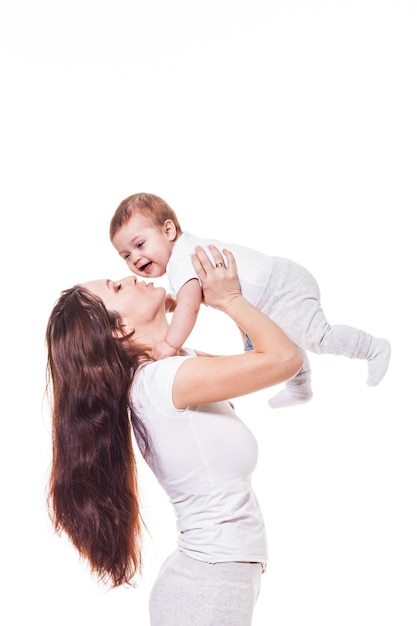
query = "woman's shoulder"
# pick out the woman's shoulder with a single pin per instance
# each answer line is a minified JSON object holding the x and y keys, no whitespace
{"x":162,"y":367}
{"x":152,"y":385}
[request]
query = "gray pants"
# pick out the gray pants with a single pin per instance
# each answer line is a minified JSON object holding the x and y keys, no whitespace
{"x":292,"y":300}
{"x":188,"y":592}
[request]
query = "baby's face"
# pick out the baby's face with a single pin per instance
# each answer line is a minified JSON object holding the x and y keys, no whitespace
{"x":144,"y":246}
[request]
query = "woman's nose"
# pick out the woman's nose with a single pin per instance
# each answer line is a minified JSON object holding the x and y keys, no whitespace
{"x":128,"y":280}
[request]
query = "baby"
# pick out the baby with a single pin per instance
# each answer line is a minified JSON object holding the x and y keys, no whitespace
{"x":146,"y":233}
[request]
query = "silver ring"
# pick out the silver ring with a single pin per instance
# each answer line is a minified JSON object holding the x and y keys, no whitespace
{"x":219,"y":264}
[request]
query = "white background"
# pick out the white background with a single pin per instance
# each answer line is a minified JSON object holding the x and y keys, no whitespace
{"x":288,"y":126}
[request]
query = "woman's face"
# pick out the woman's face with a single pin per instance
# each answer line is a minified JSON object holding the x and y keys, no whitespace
{"x":134,"y":300}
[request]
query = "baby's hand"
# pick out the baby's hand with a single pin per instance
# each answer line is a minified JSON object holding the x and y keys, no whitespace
{"x":162,"y":350}
{"x":170,"y":304}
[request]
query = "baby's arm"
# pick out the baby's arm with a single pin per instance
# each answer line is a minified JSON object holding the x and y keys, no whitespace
{"x":183,"y":319}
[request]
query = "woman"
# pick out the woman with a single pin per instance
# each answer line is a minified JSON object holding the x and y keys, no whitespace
{"x":104,"y":381}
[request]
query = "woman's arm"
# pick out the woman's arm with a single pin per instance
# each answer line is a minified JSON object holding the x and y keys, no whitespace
{"x":273,"y":360}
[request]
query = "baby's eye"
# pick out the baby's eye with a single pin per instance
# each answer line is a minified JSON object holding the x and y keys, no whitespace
{"x":125,"y":257}
{"x":139,"y":244}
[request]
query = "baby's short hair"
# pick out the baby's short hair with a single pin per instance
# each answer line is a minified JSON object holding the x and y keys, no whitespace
{"x":145,"y":204}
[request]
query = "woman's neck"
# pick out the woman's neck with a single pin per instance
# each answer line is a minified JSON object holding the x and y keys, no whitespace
{"x":154,"y":331}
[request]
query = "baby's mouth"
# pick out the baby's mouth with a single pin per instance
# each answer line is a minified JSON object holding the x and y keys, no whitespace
{"x":146,"y":267}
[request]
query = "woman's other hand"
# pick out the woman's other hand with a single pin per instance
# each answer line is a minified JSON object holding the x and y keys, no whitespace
{"x":220,"y":281}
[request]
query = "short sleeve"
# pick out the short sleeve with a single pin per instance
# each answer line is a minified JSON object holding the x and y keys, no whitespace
{"x":152,"y":387}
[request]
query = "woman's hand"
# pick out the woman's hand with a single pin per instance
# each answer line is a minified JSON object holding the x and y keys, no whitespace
{"x":219,"y":282}
{"x":274,"y":358}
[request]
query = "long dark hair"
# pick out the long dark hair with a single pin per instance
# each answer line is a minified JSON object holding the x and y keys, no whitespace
{"x":93,"y":492}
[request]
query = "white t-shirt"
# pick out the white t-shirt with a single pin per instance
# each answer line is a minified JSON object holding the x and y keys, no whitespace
{"x":254,"y":268}
{"x":203,"y":457}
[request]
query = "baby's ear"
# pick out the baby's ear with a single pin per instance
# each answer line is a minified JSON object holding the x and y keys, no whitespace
{"x":170,"y":230}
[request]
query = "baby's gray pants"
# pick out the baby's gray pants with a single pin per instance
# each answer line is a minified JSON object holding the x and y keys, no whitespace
{"x":292,"y":300}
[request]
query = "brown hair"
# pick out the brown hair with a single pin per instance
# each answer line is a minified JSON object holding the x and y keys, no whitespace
{"x":146,"y":204}
{"x":93,"y":493}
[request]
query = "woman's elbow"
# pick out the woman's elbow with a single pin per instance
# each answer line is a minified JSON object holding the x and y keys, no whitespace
{"x":290,"y":365}
{"x":296,"y":362}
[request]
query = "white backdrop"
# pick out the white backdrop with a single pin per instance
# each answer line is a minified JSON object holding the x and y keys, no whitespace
{"x":285,"y":125}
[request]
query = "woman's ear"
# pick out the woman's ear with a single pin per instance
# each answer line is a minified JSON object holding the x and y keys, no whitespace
{"x":170,"y":230}
{"x":123,"y":329}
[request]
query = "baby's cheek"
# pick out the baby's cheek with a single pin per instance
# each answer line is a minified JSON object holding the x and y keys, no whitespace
{"x":132,"y":268}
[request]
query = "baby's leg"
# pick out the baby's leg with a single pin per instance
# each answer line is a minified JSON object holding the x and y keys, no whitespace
{"x":297,"y":390}
{"x":308,"y":327}
{"x":295,"y":305}
{"x":357,"y":344}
